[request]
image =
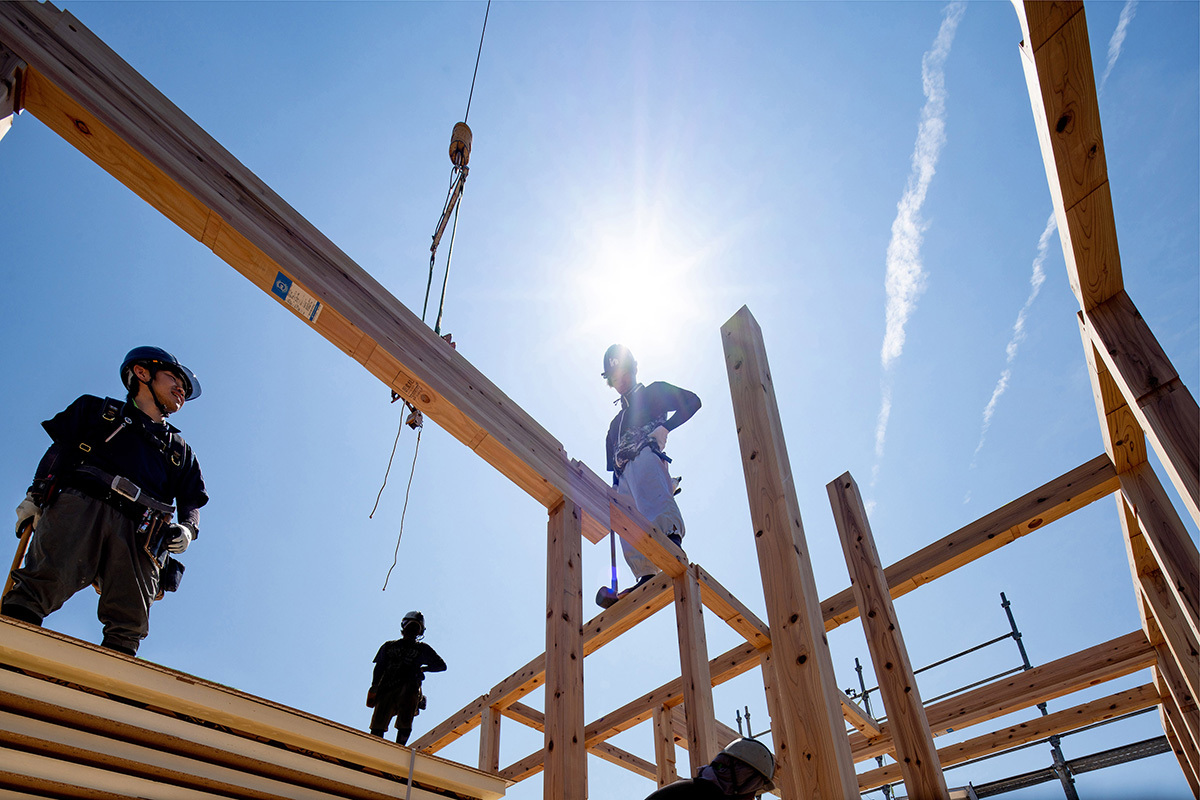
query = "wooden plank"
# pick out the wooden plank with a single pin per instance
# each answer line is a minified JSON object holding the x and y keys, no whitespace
{"x":1058,"y":722}
{"x":1171,"y":680}
{"x":1168,"y":540}
{"x":638,"y":606}
{"x":1103,"y":662}
{"x":694,"y":672}
{"x":859,"y":718}
{"x":45,"y":652}
{"x":526,"y":715}
{"x":566,"y":758}
{"x":622,"y":758}
{"x":915,"y":752}
{"x":787,"y":780}
{"x":102,"y":106}
{"x":489,"y":740}
{"x":664,"y":746}
{"x":721,"y":602}
{"x":1163,"y":406}
{"x":1177,"y":749}
{"x":1062,"y":91}
{"x":1173,"y":725}
{"x":809,"y":710}
{"x":1069,"y":492}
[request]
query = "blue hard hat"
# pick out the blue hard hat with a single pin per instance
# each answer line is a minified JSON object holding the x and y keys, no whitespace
{"x":155,"y":358}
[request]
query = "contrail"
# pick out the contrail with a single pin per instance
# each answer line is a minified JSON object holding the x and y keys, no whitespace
{"x":1018,"y":335}
{"x":905,"y":279}
{"x":1118,"y":39}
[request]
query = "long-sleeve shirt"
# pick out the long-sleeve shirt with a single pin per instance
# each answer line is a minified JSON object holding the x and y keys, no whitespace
{"x":644,"y":408}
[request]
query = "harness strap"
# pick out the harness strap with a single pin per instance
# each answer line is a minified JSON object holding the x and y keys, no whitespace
{"x":119,"y":487}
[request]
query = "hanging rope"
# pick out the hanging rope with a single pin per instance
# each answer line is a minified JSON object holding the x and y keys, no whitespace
{"x":396,"y":553}
{"x":477,"y":55}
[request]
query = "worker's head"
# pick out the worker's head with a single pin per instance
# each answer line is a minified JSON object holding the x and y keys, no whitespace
{"x":158,"y":377}
{"x":620,"y":368}
{"x":743,"y":769}
{"x":413,"y":625}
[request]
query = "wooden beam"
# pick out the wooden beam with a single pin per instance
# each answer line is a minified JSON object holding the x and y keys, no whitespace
{"x":664,"y":746}
{"x":489,"y":740}
{"x":526,"y":715}
{"x":566,"y":758}
{"x":631,"y":526}
{"x":622,"y":758}
{"x":1058,"y":722}
{"x":859,"y":718}
{"x":724,"y":733}
{"x":1181,"y":752}
{"x":1124,"y":441}
{"x":1069,"y":492}
{"x":1103,"y":662}
{"x":636,"y":607}
{"x":694,"y":672}
{"x":1174,"y":728}
{"x":721,"y":602}
{"x":1165,"y":537}
{"x":1170,"y":679}
{"x":915,"y":752}
{"x":1162,"y":405}
{"x":71,"y":662}
{"x":810,"y":712}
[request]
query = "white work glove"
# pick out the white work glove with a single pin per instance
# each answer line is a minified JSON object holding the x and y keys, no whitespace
{"x":26,"y":511}
{"x":659,"y":435}
{"x":181,"y":537}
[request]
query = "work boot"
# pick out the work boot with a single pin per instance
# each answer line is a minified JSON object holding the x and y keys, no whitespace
{"x":119,"y":647}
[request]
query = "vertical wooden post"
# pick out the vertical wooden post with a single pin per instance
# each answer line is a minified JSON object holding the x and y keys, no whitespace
{"x":915,"y":751}
{"x":664,"y":746}
{"x":489,"y":740}
{"x":786,"y":781}
{"x":806,"y":706}
{"x":566,"y":759}
{"x":697,"y":677}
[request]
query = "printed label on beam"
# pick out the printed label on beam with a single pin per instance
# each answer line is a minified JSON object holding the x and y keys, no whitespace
{"x":304,"y":303}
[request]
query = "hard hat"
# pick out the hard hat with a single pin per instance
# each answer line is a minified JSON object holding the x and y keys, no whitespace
{"x":757,"y":755}
{"x":155,"y":358}
{"x":620,"y":353}
{"x":415,"y":617}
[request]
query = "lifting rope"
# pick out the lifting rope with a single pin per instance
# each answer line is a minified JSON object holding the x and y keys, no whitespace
{"x":460,"y":155}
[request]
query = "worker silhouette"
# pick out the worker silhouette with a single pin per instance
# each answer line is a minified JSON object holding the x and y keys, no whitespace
{"x":742,"y":771}
{"x":637,"y":438}
{"x":400,"y":666}
{"x":99,"y":505}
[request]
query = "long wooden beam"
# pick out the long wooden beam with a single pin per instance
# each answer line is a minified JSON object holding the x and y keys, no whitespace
{"x":1058,"y":722}
{"x":1069,"y":492}
{"x":807,"y":718}
{"x":1103,"y":662}
{"x":721,"y":602}
{"x":915,"y":752}
{"x":566,"y":758}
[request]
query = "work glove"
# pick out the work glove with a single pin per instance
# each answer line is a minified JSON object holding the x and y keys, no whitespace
{"x":181,"y":537}
{"x":659,"y":435}
{"x":28,"y":510}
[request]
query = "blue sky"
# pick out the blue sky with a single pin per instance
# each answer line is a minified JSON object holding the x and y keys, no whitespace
{"x":864,"y":176}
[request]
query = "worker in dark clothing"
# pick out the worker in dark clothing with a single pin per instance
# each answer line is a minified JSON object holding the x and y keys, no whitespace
{"x":635,"y":448}
{"x":100,"y":501}
{"x":742,"y":771}
{"x":400,"y":666}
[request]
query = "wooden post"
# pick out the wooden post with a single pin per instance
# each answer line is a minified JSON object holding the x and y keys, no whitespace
{"x":664,"y":745}
{"x":489,"y":740}
{"x":694,"y":669}
{"x":915,"y":751}
{"x":566,"y":758}
{"x":806,"y":708}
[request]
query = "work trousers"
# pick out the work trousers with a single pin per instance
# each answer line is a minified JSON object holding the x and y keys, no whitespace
{"x":645,"y":479}
{"x":80,"y":541}
{"x":399,"y":701}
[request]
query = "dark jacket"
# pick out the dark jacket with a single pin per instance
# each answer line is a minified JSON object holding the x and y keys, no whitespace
{"x":643,"y":409}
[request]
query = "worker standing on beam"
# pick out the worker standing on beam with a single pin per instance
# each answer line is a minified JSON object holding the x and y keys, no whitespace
{"x":635,"y":448}
{"x":400,"y":666}
{"x":742,"y":771}
{"x":99,"y":503}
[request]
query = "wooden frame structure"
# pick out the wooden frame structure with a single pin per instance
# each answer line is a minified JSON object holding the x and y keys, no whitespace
{"x":57,"y":70}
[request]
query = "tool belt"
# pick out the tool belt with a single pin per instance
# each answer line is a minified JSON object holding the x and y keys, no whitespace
{"x":118,"y":492}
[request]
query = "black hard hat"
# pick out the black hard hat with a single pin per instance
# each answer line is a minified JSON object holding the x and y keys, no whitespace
{"x":415,"y":617}
{"x":621,"y":354}
{"x":156,"y":358}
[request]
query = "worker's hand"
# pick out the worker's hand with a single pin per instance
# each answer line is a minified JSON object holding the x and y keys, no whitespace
{"x":659,"y":435}
{"x":28,"y":511}
{"x":372,"y":696}
{"x":181,"y":537}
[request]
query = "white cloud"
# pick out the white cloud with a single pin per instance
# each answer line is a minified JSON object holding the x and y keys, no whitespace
{"x":905,"y":279}
{"x":1118,"y":39}
{"x":1018,"y":335}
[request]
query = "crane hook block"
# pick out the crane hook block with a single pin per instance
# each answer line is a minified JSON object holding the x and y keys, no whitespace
{"x":460,"y":145}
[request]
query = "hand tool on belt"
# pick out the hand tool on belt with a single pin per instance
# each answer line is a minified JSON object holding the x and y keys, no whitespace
{"x":126,"y":496}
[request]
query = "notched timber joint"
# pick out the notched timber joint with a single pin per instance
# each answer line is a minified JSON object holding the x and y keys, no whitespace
{"x":12,"y":84}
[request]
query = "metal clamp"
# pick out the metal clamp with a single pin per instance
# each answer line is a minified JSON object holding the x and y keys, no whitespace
{"x":123,"y":487}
